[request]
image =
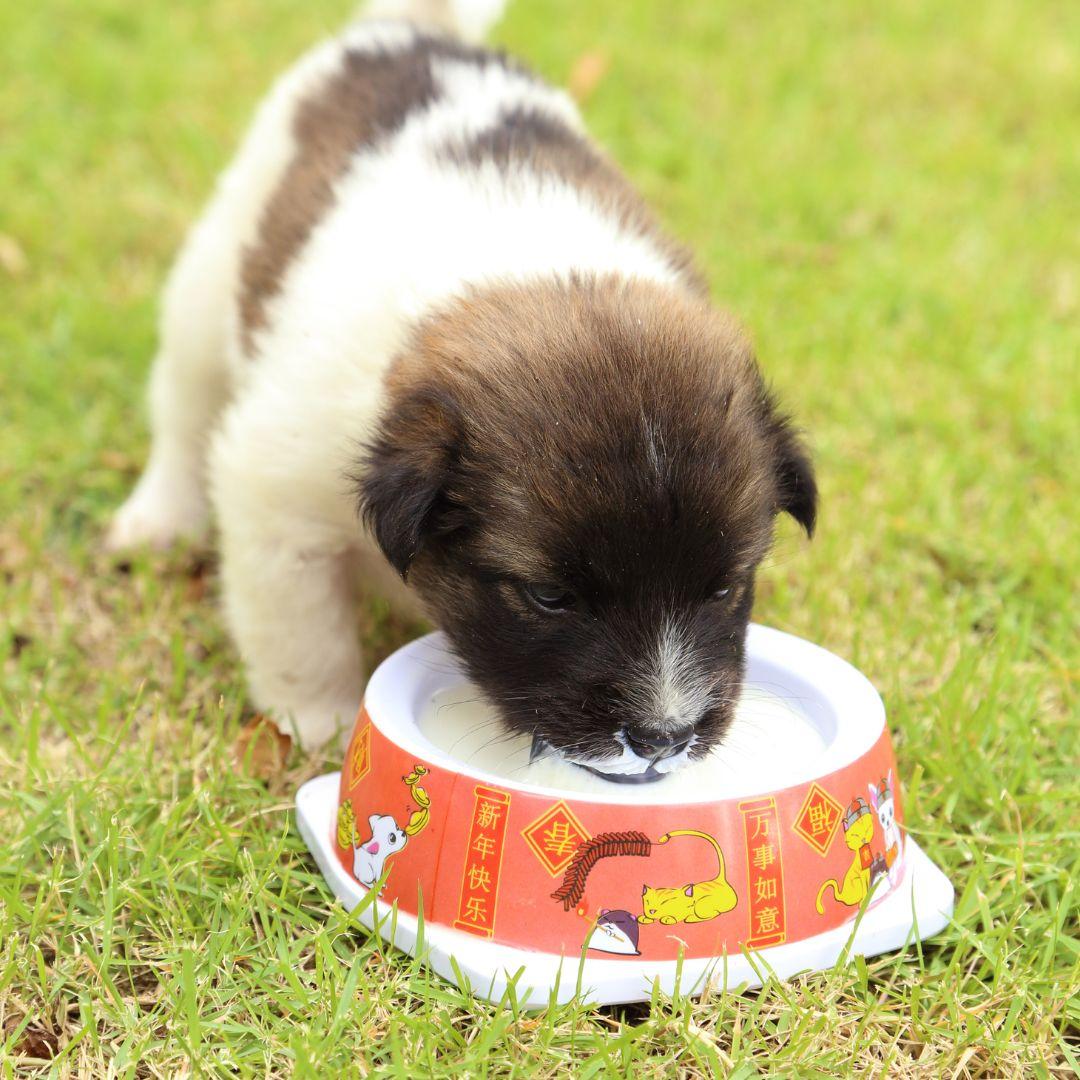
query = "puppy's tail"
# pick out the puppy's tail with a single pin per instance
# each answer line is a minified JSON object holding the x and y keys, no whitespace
{"x":469,"y":20}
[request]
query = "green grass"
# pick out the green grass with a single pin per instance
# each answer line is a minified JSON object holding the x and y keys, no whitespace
{"x":886,"y":194}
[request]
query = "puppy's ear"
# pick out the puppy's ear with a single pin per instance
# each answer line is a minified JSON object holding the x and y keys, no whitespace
{"x":406,"y":469}
{"x":797,"y":486}
{"x":797,"y":492}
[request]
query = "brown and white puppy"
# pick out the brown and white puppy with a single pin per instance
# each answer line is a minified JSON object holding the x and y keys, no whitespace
{"x":421,"y":287}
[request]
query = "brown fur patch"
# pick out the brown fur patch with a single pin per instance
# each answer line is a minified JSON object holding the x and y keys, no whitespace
{"x":368,"y":98}
{"x":529,"y":139}
{"x":600,"y":393}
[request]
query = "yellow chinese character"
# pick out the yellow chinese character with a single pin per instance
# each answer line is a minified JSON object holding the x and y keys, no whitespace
{"x":820,"y":818}
{"x":765,"y":889}
{"x":487,"y":814}
{"x":768,"y":920}
{"x":479,"y":878}
{"x":476,"y":909}
{"x":559,"y":840}
{"x":764,"y":856}
{"x":483,"y":846}
{"x":761,"y":826}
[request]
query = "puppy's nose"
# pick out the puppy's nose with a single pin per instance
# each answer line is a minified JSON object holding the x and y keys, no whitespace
{"x":647,"y":743}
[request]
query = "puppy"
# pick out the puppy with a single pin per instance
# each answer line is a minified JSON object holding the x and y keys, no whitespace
{"x":421,"y":297}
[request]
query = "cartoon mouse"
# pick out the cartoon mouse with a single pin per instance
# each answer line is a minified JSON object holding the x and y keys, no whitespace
{"x":369,"y":857}
{"x":615,"y":932}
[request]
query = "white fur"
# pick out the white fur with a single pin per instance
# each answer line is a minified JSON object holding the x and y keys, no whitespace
{"x":273,"y":437}
{"x":673,"y":688}
{"x":681,"y":685}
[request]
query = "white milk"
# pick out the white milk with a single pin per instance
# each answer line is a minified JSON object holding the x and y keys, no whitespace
{"x":771,"y":743}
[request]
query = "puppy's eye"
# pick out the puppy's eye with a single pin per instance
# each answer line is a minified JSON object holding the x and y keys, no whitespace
{"x":550,"y":597}
{"x":721,"y":594}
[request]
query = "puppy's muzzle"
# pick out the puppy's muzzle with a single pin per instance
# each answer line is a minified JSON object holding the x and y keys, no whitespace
{"x":655,"y":745}
{"x":651,"y":749}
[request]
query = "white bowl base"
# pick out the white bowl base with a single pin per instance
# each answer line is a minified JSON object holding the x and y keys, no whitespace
{"x":918,"y":909}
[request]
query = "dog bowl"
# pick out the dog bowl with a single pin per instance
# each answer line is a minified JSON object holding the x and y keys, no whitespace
{"x":604,"y":893}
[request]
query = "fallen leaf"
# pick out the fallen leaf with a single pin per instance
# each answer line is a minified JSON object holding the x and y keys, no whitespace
{"x":261,"y":748}
{"x":585,"y":76}
{"x":199,"y":576}
{"x":121,"y":462}
{"x":37,"y":1044}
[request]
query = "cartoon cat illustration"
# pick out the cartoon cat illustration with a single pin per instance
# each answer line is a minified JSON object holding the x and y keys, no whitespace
{"x":369,"y":858}
{"x":692,"y":903}
{"x":858,"y":832}
{"x":881,"y":797}
{"x":615,"y":932}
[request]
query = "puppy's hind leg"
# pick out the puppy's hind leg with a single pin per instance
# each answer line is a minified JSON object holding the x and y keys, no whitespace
{"x":188,"y":387}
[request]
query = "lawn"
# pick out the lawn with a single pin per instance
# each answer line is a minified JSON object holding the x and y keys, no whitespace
{"x":887,"y":196}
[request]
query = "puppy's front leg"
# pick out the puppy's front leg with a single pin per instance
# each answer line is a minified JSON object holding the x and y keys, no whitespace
{"x":287,"y":590}
{"x":291,"y":615}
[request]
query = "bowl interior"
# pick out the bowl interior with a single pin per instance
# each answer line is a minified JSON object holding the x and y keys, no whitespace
{"x":842,"y":713}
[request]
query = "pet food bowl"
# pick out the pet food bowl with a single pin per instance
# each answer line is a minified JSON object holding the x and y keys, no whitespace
{"x":559,"y":893}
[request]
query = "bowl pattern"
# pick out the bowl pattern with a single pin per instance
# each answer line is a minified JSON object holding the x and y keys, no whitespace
{"x":653,"y":880}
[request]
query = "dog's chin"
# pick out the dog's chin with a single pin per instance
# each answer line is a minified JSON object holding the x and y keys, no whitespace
{"x":618,"y":764}
{"x":623,"y":767}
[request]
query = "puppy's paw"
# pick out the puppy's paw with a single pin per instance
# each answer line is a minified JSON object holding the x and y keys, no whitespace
{"x":320,"y":727}
{"x":156,"y":515}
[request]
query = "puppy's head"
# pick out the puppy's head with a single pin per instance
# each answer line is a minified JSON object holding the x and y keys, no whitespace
{"x":580,"y":480}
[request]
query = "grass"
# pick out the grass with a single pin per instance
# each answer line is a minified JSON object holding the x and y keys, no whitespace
{"x":886,"y":195}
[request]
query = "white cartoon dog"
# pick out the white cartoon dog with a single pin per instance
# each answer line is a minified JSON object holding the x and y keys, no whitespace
{"x":369,"y":858}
